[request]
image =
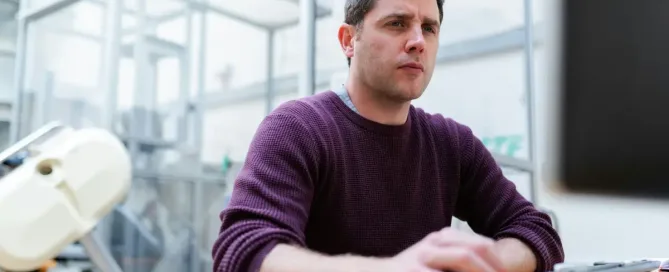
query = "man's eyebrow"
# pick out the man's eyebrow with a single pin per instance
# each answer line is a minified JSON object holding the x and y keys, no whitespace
{"x":406,"y":16}
{"x":430,"y":21}
{"x":397,"y":15}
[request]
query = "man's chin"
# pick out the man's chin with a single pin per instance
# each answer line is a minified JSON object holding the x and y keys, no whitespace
{"x":404,"y":91}
{"x":408,"y":95}
{"x":413,"y":92}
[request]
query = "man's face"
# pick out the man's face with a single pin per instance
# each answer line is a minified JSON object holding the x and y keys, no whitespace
{"x":395,"y":50}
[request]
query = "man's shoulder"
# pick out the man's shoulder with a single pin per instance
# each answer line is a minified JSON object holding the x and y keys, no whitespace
{"x":314,"y":113}
{"x":442,"y":125}
{"x":306,"y":108}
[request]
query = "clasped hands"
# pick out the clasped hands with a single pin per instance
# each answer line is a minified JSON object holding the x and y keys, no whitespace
{"x":448,"y":250}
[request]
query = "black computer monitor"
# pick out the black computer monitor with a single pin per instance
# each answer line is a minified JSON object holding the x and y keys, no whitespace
{"x":611,"y":109}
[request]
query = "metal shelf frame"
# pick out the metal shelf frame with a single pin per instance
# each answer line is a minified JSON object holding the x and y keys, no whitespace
{"x":530,"y":97}
{"x":114,"y":50}
{"x":309,"y":10}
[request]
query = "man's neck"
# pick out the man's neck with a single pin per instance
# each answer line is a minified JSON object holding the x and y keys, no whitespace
{"x":376,"y":107}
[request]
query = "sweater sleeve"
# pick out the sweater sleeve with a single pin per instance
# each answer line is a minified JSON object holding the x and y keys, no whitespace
{"x":492,"y":206}
{"x":272,"y":194}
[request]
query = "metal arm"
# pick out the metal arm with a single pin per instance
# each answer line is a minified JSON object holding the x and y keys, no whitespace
{"x":99,"y":253}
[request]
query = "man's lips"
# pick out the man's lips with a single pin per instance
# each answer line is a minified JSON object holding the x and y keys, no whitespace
{"x":412,"y":65}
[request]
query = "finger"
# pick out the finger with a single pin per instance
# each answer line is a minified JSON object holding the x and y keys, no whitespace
{"x":481,"y":246}
{"x":459,"y":259}
{"x":489,"y":255}
{"x":447,"y":235}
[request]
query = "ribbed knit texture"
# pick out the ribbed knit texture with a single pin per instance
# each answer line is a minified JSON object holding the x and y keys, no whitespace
{"x":320,"y":176}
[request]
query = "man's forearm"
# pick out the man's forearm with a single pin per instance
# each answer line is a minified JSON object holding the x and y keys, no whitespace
{"x":515,"y":255}
{"x":287,"y":258}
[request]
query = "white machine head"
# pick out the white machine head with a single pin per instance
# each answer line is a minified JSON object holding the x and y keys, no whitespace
{"x":68,"y":183}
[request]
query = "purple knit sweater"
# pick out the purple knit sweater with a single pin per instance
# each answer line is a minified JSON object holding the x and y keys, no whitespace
{"x":319,"y":175}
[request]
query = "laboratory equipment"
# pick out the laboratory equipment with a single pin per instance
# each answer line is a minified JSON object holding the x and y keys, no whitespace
{"x":69,"y":180}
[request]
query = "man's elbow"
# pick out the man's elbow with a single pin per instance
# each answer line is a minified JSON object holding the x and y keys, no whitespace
{"x":243,"y":246}
{"x":540,"y":236}
{"x":228,"y":257}
{"x":240,"y":249}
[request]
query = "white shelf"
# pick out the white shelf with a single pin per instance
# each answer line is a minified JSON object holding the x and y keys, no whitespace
{"x":157,"y":47}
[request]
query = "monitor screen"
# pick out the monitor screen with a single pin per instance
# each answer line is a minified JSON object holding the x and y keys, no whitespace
{"x":613,"y":102}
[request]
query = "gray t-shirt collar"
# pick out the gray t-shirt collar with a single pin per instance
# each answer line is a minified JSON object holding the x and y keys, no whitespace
{"x":343,"y":95}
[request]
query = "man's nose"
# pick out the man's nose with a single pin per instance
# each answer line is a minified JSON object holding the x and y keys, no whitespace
{"x":416,"y":41}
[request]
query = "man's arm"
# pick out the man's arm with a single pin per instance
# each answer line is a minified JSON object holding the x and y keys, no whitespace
{"x":515,"y":255}
{"x":263,"y":226}
{"x":272,"y":194}
{"x":492,"y":206}
{"x":290,"y":258}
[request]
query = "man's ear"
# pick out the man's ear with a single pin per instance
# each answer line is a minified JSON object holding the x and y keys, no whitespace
{"x":346,"y":37}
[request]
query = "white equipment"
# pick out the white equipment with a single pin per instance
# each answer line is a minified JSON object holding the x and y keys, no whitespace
{"x":69,"y":182}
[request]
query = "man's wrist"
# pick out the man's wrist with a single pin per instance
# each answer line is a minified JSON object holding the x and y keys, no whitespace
{"x":290,"y":258}
{"x":515,"y":255}
{"x":354,"y":263}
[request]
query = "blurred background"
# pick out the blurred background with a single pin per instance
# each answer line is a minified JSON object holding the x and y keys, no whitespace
{"x":185,"y":83}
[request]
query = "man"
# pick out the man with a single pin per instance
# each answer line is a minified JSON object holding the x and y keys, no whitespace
{"x":359,"y":180}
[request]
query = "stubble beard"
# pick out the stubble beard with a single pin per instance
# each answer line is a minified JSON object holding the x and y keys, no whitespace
{"x":383,"y":84}
{"x":388,"y":89}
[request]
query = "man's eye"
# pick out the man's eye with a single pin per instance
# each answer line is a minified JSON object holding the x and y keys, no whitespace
{"x":397,"y":24}
{"x":429,"y":28}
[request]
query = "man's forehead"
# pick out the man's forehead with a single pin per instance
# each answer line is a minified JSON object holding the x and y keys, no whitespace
{"x":424,"y":9}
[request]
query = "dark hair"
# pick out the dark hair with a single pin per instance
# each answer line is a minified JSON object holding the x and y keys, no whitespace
{"x":356,"y":10}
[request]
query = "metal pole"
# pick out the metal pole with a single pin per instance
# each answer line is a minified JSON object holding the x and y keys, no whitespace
{"x":111,"y":60}
{"x":19,"y":77}
{"x":529,"y":95}
{"x":308,"y":27}
{"x":141,"y":61}
{"x":45,"y":98}
{"x":198,"y":128}
{"x":194,"y":260}
{"x":200,"y":103}
{"x":99,"y":253}
{"x":109,"y":84}
{"x":186,"y":73}
{"x":143,"y":94}
{"x":21,"y":144}
{"x":34,"y":14}
{"x":270,"y":71}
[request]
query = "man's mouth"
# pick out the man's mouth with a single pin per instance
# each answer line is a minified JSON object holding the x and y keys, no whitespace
{"x":413,"y":66}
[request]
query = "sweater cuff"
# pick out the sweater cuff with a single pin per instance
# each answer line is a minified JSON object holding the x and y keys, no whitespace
{"x":534,"y":242}
{"x":257,"y":261}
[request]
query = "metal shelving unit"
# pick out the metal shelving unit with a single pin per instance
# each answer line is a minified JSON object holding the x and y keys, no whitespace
{"x":145,"y":49}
